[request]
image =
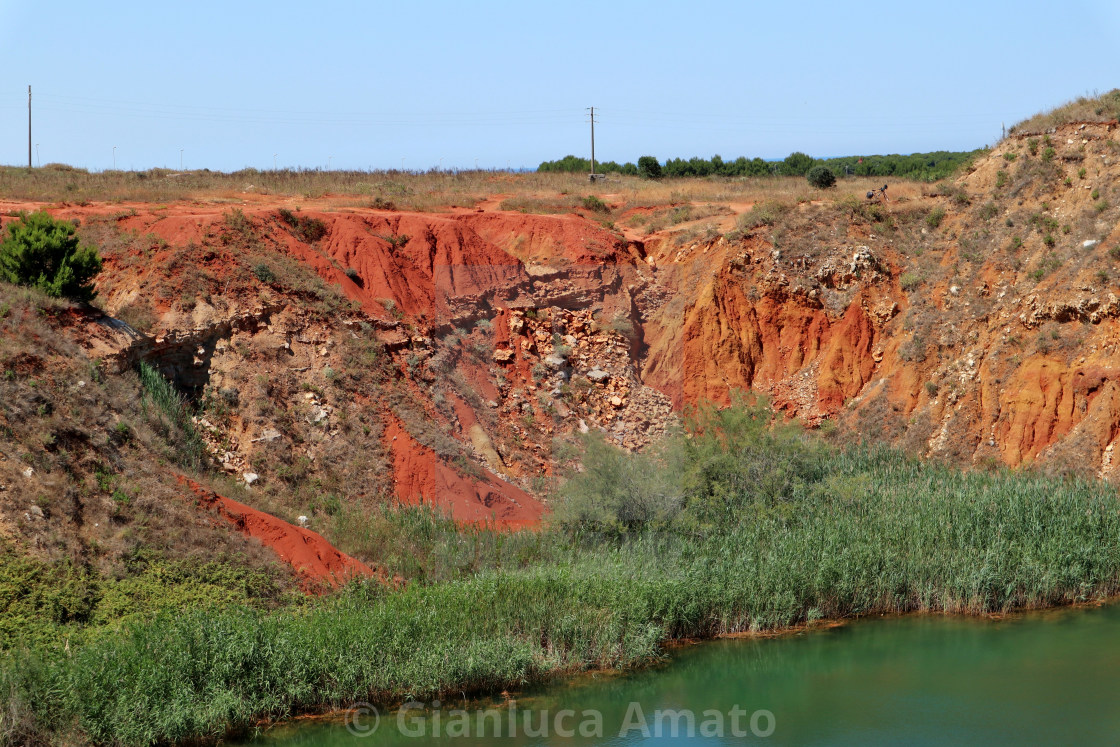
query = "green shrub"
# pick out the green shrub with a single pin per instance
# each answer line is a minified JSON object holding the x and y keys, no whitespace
{"x":649,"y":168}
{"x":617,"y":494}
{"x":909,"y":281}
{"x":240,"y":228}
{"x":680,"y":214}
{"x":595,"y":205}
{"x":43,"y":252}
{"x":305,"y":228}
{"x":933,"y":220}
{"x":821,"y":177}
{"x":264,"y":273}
{"x":1043,"y":222}
{"x":734,"y":460}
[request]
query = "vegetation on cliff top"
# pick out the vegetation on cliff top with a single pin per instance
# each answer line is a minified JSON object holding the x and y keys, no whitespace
{"x":1097,"y":108}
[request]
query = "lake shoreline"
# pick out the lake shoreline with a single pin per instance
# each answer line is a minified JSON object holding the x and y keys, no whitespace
{"x":574,"y":677}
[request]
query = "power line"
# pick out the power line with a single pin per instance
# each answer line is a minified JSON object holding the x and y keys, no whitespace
{"x":88,"y":105}
{"x":645,"y":118}
{"x":119,"y":102}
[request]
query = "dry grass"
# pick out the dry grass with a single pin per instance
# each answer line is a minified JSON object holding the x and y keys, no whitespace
{"x":1102,"y":108}
{"x":430,"y":191}
{"x":539,"y":205}
{"x":377,"y":189}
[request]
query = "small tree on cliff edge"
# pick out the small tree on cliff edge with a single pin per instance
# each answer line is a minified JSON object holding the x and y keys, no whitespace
{"x":43,"y":252}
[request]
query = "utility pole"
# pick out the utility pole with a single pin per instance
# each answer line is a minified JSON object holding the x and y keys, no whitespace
{"x":592,"y":142}
{"x":29,"y":126}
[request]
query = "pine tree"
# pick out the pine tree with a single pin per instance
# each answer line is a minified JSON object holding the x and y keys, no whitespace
{"x":43,"y":252}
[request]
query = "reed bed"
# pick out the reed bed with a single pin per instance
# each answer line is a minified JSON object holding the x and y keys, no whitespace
{"x":752,"y":530}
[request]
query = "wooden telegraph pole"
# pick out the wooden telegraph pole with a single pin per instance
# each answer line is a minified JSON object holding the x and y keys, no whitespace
{"x":592,"y":177}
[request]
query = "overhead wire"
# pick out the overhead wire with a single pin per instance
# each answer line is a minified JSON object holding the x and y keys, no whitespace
{"x":181,"y":112}
{"x":623,"y":115}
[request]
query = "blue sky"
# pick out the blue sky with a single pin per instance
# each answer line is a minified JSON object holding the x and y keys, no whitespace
{"x":365,"y":84}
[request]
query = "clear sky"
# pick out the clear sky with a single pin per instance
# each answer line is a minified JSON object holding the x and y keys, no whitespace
{"x":226,"y":85}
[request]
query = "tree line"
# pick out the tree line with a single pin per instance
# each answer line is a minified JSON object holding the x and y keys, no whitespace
{"x":918,"y":166}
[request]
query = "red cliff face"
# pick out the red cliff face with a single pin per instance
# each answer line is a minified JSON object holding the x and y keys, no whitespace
{"x":977,"y":321}
{"x":988,"y":335}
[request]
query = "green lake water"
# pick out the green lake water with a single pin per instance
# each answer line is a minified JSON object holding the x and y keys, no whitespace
{"x":1045,"y":678}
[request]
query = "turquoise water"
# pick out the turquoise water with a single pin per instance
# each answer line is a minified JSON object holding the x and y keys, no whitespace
{"x":1047,"y":678}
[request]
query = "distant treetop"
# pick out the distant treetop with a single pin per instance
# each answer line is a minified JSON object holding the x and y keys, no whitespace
{"x":577,"y":165}
{"x":917,"y":166}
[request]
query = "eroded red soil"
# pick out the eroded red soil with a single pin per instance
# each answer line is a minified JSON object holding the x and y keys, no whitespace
{"x":317,"y":560}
